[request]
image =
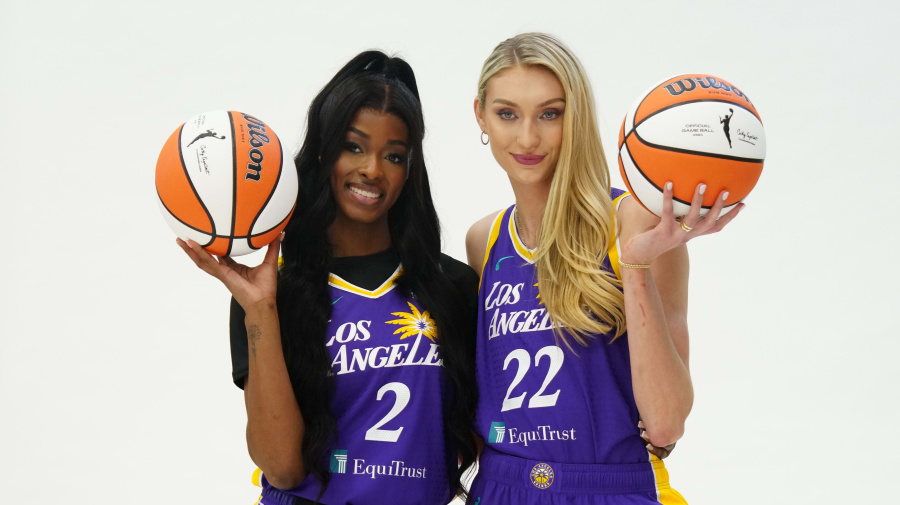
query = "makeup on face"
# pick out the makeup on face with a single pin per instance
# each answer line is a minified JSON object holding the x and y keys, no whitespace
{"x":523,"y":115}
{"x":369,"y":175}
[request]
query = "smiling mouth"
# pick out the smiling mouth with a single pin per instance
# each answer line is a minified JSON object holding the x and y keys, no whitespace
{"x":367,"y":194}
{"x":529,"y":159}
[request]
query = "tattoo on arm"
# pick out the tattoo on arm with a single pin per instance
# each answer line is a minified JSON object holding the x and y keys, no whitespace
{"x":253,"y":335}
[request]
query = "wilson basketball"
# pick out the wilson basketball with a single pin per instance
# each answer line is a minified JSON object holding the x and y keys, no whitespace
{"x":223,"y":182}
{"x":691,"y":129}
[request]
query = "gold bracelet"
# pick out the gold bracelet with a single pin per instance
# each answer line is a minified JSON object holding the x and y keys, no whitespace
{"x":632,"y":265}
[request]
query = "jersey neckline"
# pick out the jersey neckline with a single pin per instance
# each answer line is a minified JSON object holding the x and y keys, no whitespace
{"x":386,"y":286}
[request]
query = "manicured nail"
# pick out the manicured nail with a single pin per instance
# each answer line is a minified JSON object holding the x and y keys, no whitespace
{"x":702,"y":188}
{"x":640,"y":424}
{"x":725,"y":196}
{"x":648,"y":447}
{"x":668,"y":185}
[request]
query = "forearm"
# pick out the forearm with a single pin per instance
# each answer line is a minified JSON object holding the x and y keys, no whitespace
{"x":660,"y":377}
{"x":274,"y":423}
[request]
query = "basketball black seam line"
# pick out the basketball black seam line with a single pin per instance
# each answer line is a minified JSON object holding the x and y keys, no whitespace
{"x":179,"y":219}
{"x":634,"y":128}
{"x":679,"y":104}
{"x":268,"y":198}
{"x":636,"y":166}
{"x":254,"y":235}
{"x":679,"y":77}
{"x":234,"y":175}
{"x":697,"y":153}
{"x":657,"y":187}
{"x":644,"y":98}
{"x":212,"y":222}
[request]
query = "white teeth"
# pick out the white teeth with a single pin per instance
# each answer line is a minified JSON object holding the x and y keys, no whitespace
{"x":364,"y":193}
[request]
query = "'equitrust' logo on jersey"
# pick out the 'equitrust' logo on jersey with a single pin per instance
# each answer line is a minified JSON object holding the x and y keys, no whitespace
{"x":497,"y":431}
{"x":339,"y":461}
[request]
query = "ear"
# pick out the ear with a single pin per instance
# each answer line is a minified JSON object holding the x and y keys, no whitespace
{"x":479,"y":117}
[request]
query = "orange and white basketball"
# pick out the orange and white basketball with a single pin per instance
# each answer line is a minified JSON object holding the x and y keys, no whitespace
{"x":222,"y":181}
{"x":691,"y":129}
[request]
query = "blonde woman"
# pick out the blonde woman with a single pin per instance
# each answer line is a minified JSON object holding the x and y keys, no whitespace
{"x":566,"y":394}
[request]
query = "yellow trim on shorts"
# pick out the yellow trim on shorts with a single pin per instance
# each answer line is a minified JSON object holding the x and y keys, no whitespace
{"x":256,"y":479}
{"x":665,"y":494}
{"x":492,"y":239}
{"x":614,"y":241}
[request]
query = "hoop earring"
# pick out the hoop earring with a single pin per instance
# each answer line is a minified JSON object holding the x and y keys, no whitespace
{"x":483,"y":141}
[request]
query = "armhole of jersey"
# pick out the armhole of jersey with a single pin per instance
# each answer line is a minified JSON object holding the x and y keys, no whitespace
{"x":492,"y":239}
{"x":614,"y":243}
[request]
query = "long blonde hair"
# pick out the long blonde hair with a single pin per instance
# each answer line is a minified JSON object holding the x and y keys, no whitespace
{"x":578,"y":221}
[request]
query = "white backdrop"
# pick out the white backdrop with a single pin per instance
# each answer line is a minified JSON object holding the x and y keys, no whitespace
{"x":114,"y":364}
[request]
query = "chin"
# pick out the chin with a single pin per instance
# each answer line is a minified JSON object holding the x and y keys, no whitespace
{"x":530,"y":175}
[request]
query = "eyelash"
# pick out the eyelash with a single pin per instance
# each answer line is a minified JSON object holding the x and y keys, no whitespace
{"x":556,"y":114}
{"x":505,"y":112}
{"x":398,"y":159}
{"x":395,"y":158}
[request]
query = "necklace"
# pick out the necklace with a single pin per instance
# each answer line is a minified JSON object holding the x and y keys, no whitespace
{"x":521,"y":228}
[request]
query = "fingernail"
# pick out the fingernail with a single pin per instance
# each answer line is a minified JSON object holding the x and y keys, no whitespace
{"x":725,"y":196}
{"x":668,"y":185}
{"x":640,"y":424}
{"x":702,"y":188}
{"x":647,"y":446}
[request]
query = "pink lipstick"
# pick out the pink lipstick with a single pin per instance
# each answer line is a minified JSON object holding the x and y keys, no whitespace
{"x":529,"y":159}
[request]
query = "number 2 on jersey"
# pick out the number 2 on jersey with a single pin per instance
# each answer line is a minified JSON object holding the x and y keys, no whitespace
{"x":523,"y":359}
{"x":401,"y":394}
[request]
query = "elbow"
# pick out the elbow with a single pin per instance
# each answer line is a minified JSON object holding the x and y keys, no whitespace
{"x":285,"y":477}
{"x":667,"y":434}
{"x":668,"y":428}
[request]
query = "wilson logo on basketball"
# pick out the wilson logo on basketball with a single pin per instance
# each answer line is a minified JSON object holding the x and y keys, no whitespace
{"x":690,"y":84}
{"x":257,"y":131}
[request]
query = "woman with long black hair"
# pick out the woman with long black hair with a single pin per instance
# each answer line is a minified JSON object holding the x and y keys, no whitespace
{"x":356,"y":356}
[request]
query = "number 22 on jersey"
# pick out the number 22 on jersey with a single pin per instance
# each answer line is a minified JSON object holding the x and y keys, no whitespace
{"x":523,"y":359}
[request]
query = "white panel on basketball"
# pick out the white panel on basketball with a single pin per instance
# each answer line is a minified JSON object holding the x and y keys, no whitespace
{"x":282,"y":200}
{"x":183,"y":231}
{"x":629,"y":118}
{"x":649,"y":195}
{"x":209,"y":160}
{"x":240,"y":246}
{"x":695,"y":126}
{"x":641,"y":187}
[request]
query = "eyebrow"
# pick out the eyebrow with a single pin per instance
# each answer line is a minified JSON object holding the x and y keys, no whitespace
{"x":367,"y":137}
{"x":514,"y":104}
{"x":359,"y":132}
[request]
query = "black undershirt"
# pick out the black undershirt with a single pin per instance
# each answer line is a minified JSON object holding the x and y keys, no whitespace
{"x":367,"y":272}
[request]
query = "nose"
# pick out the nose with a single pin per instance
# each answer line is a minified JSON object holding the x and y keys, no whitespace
{"x":371,"y":168}
{"x":529,"y":137}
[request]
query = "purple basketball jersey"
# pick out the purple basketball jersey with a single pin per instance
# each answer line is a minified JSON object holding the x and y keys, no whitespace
{"x":537,"y":399}
{"x":388,"y":402}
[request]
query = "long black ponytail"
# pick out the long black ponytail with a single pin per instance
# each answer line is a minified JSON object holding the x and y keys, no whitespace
{"x":371,"y":80}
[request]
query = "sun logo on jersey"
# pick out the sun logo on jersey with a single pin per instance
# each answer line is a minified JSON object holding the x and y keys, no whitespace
{"x":542,"y":475}
{"x":414,"y":323}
